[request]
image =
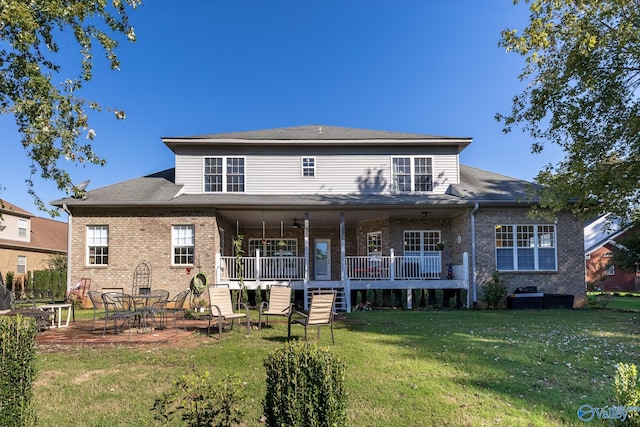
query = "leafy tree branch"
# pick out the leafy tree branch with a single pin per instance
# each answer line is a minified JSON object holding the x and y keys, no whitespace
{"x":582,"y":69}
{"x":49,"y":111}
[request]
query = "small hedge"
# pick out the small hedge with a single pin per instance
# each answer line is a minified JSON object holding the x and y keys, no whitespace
{"x":305,"y":387}
{"x":17,"y":369}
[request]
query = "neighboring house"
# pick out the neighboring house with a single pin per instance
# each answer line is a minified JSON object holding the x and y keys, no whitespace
{"x":322,"y":207}
{"x":600,"y":241}
{"x":27,"y":242}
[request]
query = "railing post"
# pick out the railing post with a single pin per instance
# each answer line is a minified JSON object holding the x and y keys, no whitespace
{"x":257,"y":267}
{"x":392,"y":264}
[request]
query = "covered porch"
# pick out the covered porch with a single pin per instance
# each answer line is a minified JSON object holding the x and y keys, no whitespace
{"x":355,"y":253}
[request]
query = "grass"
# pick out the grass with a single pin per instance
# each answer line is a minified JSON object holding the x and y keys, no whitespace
{"x":619,"y":300}
{"x":404,"y":368}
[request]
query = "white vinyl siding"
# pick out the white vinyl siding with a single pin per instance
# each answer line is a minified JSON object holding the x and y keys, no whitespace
{"x":334,"y":174}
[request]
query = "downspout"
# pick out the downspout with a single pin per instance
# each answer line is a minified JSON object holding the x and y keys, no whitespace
{"x":69,"y":224}
{"x":473,"y":257}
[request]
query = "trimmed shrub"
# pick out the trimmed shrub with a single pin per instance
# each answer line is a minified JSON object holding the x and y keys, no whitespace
{"x":18,"y":369}
{"x":627,"y":392}
{"x":494,"y":292}
{"x":305,"y":387}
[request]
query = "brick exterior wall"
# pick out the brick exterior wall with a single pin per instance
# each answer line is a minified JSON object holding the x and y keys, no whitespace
{"x":35,"y":260}
{"x":145,"y":235}
{"x":568,"y":279}
{"x":137,"y":235}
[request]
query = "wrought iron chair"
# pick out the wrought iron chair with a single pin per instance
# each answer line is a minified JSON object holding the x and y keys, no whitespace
{"x":176,"y":307}
{"x":98,"y":305}
{"x":118,"y":307}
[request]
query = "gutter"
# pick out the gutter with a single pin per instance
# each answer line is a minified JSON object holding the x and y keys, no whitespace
{"x":474,"y":285}
{"x":69,"y":226}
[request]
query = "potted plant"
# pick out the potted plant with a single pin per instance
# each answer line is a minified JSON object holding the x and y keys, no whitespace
{"x":440,"y":246}
{"x":373,"y":247}
{"x":200,"y":304}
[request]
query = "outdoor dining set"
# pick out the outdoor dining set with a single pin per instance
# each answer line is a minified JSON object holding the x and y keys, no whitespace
{"x":150,"y":309}
{"x":147,"y":309}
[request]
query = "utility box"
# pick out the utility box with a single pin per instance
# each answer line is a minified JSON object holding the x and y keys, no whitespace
{"x":558,"y":301}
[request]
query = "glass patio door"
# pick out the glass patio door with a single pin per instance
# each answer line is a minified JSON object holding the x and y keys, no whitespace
{"x":322,"y":258}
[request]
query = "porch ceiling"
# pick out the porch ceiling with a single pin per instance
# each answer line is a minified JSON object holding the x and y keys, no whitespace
{"x":330,"y":218}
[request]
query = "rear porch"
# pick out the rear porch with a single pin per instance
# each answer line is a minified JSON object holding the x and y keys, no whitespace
{"x":389,"y":274}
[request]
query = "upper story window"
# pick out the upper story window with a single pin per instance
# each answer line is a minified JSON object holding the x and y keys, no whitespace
{"x":183,"y":244}
{"x":224,"y":174}
{"x":97,"y":245}
{"x":308,"y":166}
{"x":412,"y":174}
{"x":526,"y":248}
{"x":22,"y":227}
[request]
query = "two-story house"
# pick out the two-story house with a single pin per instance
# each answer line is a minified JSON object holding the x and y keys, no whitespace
{"x":27,"y":242}
{"x":322,"y":206}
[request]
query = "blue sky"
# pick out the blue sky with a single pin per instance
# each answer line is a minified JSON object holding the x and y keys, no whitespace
{"x":430,"y":67}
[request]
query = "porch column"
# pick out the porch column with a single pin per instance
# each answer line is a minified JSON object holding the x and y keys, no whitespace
{"x":306,"y":261}
{"x":218,"y":275}
{"x":346,"y":284}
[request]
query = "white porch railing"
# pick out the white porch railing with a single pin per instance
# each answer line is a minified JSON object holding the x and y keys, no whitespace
{"x":426,"y":267}
{"x":414,"y":267}
{"x":264,"y":268}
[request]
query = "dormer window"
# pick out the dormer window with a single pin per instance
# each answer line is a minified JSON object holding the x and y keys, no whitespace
{"x":224,"y":175}
{"x":412,"y":174}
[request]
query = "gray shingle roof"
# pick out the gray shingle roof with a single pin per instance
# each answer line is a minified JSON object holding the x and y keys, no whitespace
{"x":476,"y":185}
{"x":315,"y":132}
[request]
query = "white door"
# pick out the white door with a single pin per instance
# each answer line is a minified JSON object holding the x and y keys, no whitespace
{"x":322,"y":255}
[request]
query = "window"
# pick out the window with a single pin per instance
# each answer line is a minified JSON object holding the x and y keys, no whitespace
{"x":183,"y":242}
{"x":412,"y":174}
{"x":97,"y":245}
{"x":22,"y":264}
{"x":274,"y":247}
{"x":22,"y":227}
{"x":611,"y":270}
{"x":417,"y":243}
{"x":308,"y":166}
{"x":526,"y":247}
{"x":224,"y":174}
{"x":374,"y":242}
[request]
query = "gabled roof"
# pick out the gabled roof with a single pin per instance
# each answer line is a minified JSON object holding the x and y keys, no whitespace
{"x":159,"y":189}
{"x":600,"y":231}
{"x":47,"y":235}
{"x":10,"y":208}
{"x":317,"y":135}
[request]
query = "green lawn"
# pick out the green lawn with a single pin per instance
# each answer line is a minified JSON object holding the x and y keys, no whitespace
{"x":404,"y":368}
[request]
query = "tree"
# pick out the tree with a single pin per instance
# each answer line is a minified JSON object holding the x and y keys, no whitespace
{"x":49,"y":112}
{"x":627,"y":252}
{"x":582,"y":68}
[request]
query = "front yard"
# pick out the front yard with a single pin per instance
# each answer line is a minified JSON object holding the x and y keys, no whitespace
{"x":404,"y":368}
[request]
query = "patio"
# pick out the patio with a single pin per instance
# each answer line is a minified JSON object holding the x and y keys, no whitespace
{"x":80,"y":333}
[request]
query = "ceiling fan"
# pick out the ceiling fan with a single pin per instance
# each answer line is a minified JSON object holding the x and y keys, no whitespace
{"x":296,"y":224}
